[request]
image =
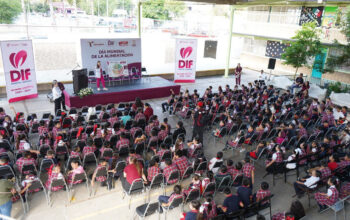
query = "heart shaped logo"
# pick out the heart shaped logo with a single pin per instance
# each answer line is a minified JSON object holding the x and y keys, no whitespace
{"x":185,"y":52}
{"x":17,"y":59}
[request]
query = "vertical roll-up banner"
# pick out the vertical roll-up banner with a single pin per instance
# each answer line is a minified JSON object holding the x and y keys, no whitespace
{"x":185,"y":60}
{"x":19,"y":69}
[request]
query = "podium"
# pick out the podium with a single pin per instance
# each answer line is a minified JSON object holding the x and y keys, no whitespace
{"x":80,"y":80}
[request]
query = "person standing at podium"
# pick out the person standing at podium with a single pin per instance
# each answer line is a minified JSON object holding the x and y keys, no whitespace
{"x":99,"y":76}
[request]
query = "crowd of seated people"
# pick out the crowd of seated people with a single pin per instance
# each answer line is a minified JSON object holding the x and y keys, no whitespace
{"x":287,"y":130}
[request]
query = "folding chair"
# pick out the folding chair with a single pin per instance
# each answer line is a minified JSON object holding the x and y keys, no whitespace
{"x":168,"y":141}
{"x":291,"y":143}
{"x":107,"y":153}
{"x":28,"y":168}
{"x":99,"y":172}
{"x":166,"y":155}
{"x":255,"y":160}
{"x":265,"y":203}
{"x":233,"y":130}
{"x":89,"y":158}
{"x":221,"y":136}
{"x":235,"y":215}
{"x":209,"y":189}
{"x":62,"y":151}
{"x":137,"y":186}
{"x":44,"y":166}
{"x":176,"y":202}
{"x":193,"y":195}
{"x":123,"y":149}
{"x":67,"y":123}
{"x":337,"y":207}
{"x":140,"y":148}
{"x":146,"y":210}
{"x":71,"y":159}
{"x":225,"y":182}
{"x":157,"y":182}
{"x":202,"y":167}
{"x":311,"y":138}
{"x":272,"y":134}
{"x":55,"y":183}
{"x":218,"y":164}
{"x":79,"y":177}
{"x":188,"y":172}
{"x":6,"y":172}
{"x":35,"y":185}
{"x":174,"y":175}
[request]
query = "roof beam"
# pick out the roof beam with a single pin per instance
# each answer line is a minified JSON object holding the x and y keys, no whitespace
{"x":247,"y":3}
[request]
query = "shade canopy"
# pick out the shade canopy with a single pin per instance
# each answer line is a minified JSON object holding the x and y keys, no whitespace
{"x":272,"y":2}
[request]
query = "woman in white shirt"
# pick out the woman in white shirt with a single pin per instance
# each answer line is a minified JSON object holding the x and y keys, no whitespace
{"x":99,"y":76}
{"x":57,"y":95}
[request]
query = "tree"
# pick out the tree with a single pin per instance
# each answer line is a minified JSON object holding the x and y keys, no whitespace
{"x":40,"y":8}
{"x":162,"y":9}
{"x":343,"y":58}
{"x":305,"y":46}
{"x":9,"y":10}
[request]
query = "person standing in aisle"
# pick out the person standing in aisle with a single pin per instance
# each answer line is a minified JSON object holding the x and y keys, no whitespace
{"x":198,"y":125}
{"x":99,"y":76}
{"x":61,"y":86}
{"x":238,"y":72}
{"x":57,"y":95}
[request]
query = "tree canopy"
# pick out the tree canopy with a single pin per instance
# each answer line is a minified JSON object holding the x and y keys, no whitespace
{"x":9,"y":10}
{"x":162,"y":9}
{"x":305,"y":46}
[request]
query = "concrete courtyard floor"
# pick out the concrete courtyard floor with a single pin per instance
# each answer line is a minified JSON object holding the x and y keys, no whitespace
{"x":110,"y":205}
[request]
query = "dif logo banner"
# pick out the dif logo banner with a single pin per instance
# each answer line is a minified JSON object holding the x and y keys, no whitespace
{"x":185,"y":62}
{"x":17,"y":60}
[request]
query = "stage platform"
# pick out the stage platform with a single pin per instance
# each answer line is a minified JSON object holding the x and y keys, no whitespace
{"x":145,"y":88}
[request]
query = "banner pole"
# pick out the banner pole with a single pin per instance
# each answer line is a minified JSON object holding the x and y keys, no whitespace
{"x":139,"y":18}
{"x":227,"y":69}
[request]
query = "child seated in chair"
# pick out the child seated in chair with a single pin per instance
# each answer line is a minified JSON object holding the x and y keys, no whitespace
{"x":76,"y":169}
{"x":233,"y":143}
{"x":54,"y":174}
{"x":216,"y":132}
{"x":262,"y":193}
{"x":195,"y":184}
{"x":165,"y":201}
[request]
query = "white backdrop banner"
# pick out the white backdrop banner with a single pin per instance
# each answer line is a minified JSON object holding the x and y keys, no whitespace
{"x":19,"y":69}
{"x":119,"y":57}
{"x":185,"y":60}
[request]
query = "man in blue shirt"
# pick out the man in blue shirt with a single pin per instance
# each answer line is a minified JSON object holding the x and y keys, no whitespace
{"x":245,"y":192}
{"x":231,"y":203}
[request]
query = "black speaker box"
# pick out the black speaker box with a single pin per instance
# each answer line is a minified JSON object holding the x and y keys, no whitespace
{"x":80,"y":80}
{"x":272,"y":63}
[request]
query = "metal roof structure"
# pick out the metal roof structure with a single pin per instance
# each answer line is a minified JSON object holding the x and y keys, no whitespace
{"x":273,"y":2}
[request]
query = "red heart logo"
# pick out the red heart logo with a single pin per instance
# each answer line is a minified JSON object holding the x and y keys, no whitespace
{"x":17,"y":59}
{"x":185,"y":52}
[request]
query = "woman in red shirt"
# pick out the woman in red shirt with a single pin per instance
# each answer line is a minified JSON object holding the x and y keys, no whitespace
{"x":148,"y":111}
{"x":132,"y":172}
{"x":333,"y":162}
{"x":138,"y":104}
